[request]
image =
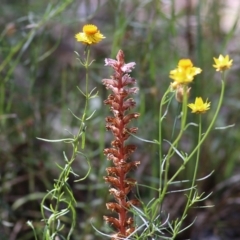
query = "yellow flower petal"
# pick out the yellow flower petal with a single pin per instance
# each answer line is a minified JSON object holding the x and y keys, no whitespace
{"x":185,"y":63}
{"x":199,"y":106}
{"x":90,"y":35}
{"x":222,"y":63}
{"x":90,"y":29}
{"x":185,"y":72}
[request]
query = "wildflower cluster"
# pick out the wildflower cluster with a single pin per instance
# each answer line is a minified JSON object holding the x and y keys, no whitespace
{"x":183,"y":75}
{"x":119,"y":152}
{"x":120,"y":103}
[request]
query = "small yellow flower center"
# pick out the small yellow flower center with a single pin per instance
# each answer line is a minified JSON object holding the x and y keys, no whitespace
{"x":90,"y":29}
{"x":185,"y":63}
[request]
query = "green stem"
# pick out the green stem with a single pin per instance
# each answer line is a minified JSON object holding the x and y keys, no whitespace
{"x":163,"y":179}
{"x":161,"y":117}
{"x":175,"y":120}
{"x":189,"y":201}
{"x":171,"y":150}
{"x":198,"y":153}
{"x":81,"y":133}
{"x":205,"y":135}
{"x":82,"y":128}
{"x":160,"y":140}
{"x":61,"y":187}
{"x":197,"y":149}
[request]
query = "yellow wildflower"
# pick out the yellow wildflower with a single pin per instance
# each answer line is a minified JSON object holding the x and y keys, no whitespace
{"x":222,"y":63}
{"x":185,"y":72}
{"x":90,"y":35}
{"x":199,"y":106}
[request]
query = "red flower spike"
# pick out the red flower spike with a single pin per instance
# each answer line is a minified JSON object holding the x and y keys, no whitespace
{"x":120,"y":103}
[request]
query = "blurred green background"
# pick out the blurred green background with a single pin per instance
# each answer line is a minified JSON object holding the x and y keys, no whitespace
{"x":39,"y":75}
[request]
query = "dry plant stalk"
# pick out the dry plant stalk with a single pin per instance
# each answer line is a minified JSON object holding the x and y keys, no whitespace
{"x":120,"y":102}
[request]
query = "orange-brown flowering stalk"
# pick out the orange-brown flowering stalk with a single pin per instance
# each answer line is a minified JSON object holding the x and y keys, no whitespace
{"x":120,"y":103}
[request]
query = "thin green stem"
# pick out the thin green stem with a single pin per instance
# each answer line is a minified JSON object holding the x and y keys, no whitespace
{"x":165,"y":169}
{"x":171,"y":150}
{"x":161,"y":117}
{"x":206,"y":133}
{"x":201,"y":139}
{"x":175,"y":120}
{"x":189,"y":201}
{"x":64,"y":174}
{"x":83,"y":128}
{"x":198,"y":153}
{"x":61,"y":191}
{"x":160,"y":139}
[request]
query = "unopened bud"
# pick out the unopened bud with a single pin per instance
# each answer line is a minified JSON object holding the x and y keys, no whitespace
{"x":180,"y":93}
